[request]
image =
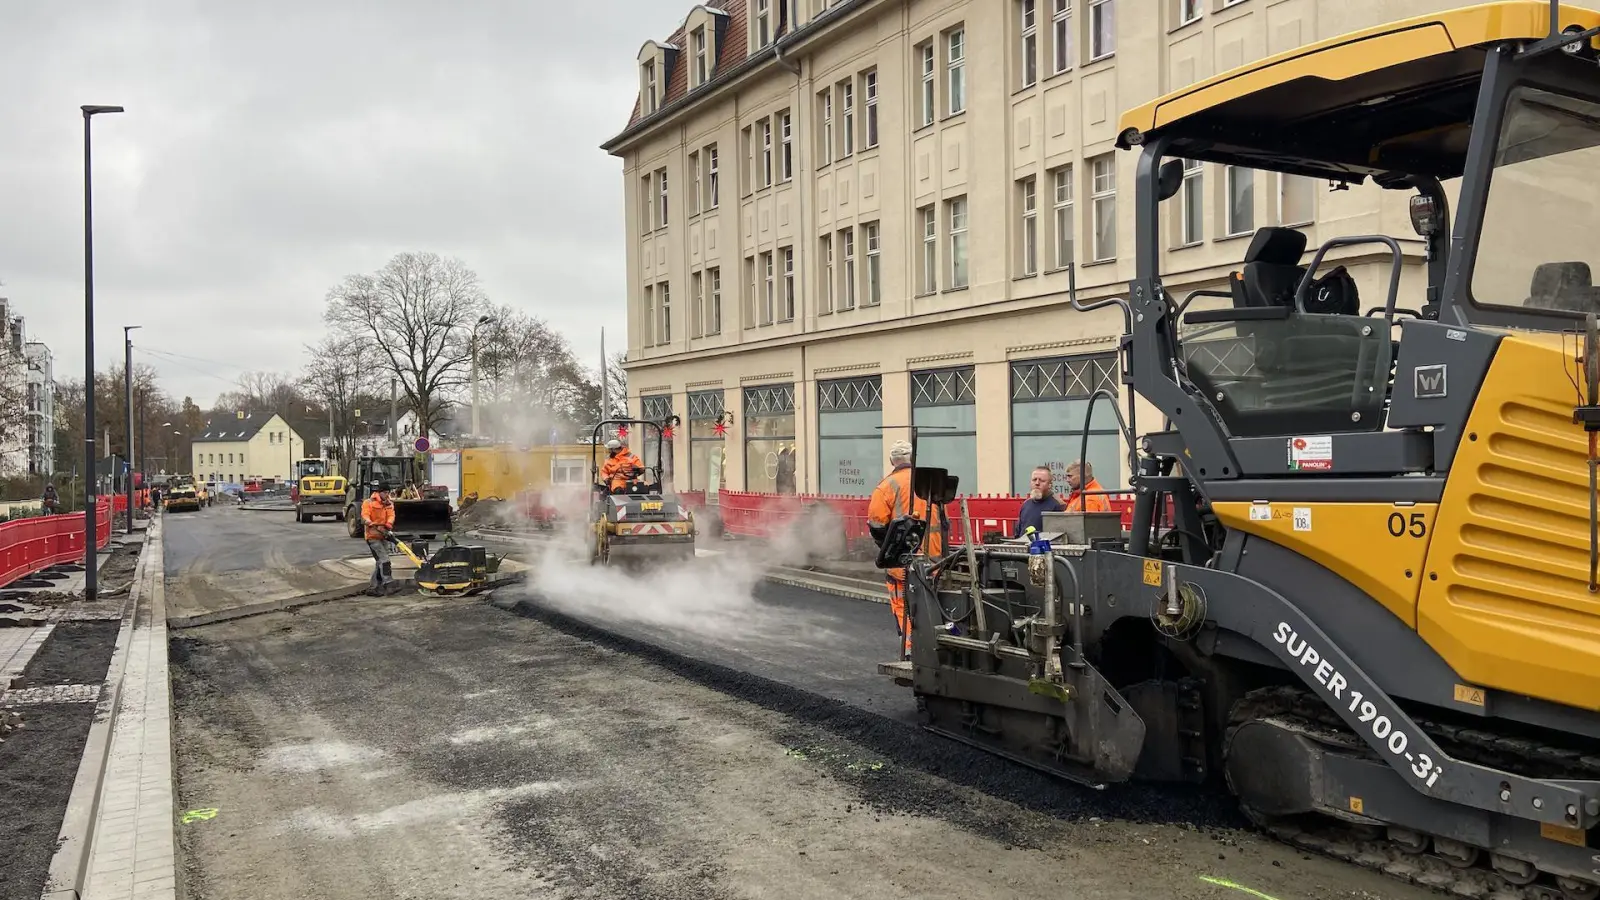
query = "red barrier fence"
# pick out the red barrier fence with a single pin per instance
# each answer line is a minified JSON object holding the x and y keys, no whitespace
{"x":767,"y":515}
{"x":28,"y":545}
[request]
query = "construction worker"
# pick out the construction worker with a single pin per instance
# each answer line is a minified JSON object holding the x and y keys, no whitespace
{"x":1082,"y":497}
{"x":377,"y":512}
{"x":1041,"y":499}
{"x":891,"y":499}
{"x":620,"y":467}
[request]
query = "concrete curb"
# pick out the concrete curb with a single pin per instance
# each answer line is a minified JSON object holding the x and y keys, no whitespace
{"x":69,"y":868}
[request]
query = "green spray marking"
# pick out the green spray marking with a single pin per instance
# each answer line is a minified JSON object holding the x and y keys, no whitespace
{"x":1223,"y":882}
{"x":198,"y":815}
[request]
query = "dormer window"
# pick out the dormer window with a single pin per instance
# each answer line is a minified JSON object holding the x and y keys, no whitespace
{"x":650,"y":95}
{"x":702,"y":58}
{"x":763,"y":25}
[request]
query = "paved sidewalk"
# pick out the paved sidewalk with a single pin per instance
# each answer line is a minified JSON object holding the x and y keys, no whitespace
{"x":119,"y":838}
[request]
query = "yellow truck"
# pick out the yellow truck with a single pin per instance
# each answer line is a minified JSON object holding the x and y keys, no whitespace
{"x":316,"y":491}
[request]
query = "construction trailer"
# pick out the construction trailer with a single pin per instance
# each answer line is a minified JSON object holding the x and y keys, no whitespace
{"x":1373,"y":613}
{"x":507,"y":471}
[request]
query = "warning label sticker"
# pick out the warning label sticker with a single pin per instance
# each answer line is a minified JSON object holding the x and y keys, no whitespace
{"x":1311,"y":454}
{"x":1260,"y":512}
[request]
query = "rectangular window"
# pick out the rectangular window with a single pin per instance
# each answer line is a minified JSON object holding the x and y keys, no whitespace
{"x":694,"y":191}
{"x":763,"y":22}
{"x":788,"y":285}
{"x":747,"y":156}
{"x":697,"y":304}
{"x":825,"y":133}
{"x":749,"y":292}
{"x":1030,"y":225}
{"x":769,"y":297}
{"x":1193,"y":202}
{"x":1297,"y":197}
{"x":826,"y":242}
{"x":711,"y":176}
{"x":847,"y":244}
{"x":1061,"y":34}
{"x":1102,"y":29}
{"x":662,"y":175}
{"x":650,"y":87}
{"x":1189,"y":10}
{"x":958,"y":241}
{"x":791,"y":16}
{"x":930,"y":250}
{"x":1029,"y":14}
{"x":847,"y":107}
{"x":1103,"y":195}
{"x":647,"y":317}
{"x":1049,"y":410}
{"x":766,"y":153}
{"x":714,"y":313}
{"x":1064,"y":219}
{"x":925,"y":55}
{"x":874,"y":265}
{"x":869,"y":96}
{"x":647,"y":203}
{"x":700,"y":70}
{"x":1241,"y":185}
{"x":786,"y":154}
{"x":665,"y":294}
{"x":956,"y":63}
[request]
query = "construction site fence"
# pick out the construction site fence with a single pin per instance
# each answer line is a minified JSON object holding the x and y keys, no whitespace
{"x":758,"y":515}
{"x":30,"y":545}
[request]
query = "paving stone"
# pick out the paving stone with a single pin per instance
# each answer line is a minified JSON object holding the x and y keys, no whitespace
{"x":56,"y":693}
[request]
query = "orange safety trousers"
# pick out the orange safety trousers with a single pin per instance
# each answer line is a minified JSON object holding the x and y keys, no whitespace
{"x":897,"y":605}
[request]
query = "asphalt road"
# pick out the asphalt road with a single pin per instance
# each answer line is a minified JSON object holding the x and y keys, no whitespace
{"x":439,"y":748}
{"x":222,"y":557}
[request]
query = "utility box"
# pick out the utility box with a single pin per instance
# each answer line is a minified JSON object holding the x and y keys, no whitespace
{"x":1081,"y":528}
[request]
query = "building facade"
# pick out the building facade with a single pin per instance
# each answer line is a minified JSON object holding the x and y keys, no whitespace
{"x":846,"y":218}
{"x":251,"y":445}
{"x":41,"y":401}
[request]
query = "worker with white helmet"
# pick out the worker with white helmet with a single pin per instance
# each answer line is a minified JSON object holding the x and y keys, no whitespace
{"x":890,"y":500}
{"x":620,"y":467}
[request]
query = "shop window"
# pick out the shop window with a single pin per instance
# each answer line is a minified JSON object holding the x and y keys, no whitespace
{"x":708,"y":455}
{"x":1049,"y":403}
{"x":849,"y":435}
{"x":944,"y":409}
{"x":770,"y":453}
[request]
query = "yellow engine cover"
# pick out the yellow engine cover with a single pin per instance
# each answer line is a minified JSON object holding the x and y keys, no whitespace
{"x":1506,"y":599}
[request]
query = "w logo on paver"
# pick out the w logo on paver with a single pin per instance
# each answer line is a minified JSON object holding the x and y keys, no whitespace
{"x":1429,"y":382}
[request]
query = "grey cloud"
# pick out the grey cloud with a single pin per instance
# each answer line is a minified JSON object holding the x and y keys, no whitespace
{"x":271,"y":149}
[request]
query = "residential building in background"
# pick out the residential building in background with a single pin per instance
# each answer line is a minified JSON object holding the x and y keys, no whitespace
{"x":251,"y":445}
{"x":41,"y":405}
{"x":845,"y":218}
{"x":20,"y":394}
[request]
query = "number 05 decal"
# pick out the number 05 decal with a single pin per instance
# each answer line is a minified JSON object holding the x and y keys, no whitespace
{"x":1400,"y":526}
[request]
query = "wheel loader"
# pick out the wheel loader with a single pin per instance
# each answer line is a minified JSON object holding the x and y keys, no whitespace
{"x":632,"y":521}
{"x":1373,"y":611}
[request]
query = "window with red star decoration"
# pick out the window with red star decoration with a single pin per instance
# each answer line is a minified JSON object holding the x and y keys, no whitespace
{"x":666,"y":433}
{"x":720,"y":430}
{"x":622,"y":431}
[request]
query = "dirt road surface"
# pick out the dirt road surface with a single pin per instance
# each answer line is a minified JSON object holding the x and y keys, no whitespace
{"x":417,"y":748}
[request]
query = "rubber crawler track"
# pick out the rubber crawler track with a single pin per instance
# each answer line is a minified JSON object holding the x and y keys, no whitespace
{"x":910,"y":746}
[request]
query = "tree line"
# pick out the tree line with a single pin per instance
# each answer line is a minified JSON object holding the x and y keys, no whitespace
{"x":410,"y":325}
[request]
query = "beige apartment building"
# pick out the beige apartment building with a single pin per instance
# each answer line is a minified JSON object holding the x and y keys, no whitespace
{"x":849,"y":217}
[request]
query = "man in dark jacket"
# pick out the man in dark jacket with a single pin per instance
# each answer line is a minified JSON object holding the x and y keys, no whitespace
{"x":1041,"y":499}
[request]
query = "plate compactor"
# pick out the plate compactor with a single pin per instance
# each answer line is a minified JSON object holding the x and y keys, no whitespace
{"x":452,"y":570}
{"x":632,"y":521}
{"x":1359,"y":585}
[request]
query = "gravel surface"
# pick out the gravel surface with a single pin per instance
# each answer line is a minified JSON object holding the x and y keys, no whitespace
{"x":38,"y":763}
{"x":442,"y":748}
{"x":75,"y":653}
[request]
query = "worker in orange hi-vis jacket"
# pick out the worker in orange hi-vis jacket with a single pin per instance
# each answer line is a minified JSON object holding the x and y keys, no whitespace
{"x":891,"y":499}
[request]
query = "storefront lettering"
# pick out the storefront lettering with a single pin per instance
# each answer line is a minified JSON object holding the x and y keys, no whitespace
{"x":849,"y":474}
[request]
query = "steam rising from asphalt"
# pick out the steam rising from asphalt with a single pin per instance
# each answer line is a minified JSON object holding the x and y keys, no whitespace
{"x":709,"y":596}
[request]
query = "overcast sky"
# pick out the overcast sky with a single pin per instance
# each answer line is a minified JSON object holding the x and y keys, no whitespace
{"x":269,"y":149}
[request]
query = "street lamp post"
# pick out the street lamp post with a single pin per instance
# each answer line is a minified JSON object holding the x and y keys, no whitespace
{"x":482,"y":320}
{"x":90,"y":569}
{"x":127,"y":389}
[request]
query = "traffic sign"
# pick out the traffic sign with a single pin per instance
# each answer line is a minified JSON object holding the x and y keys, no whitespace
{"x":422,"y":445}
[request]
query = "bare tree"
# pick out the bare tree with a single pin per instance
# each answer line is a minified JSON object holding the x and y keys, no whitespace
{"x":342,"y":375}
{"x":265,"y":391}
{"x":617,"y":385}
{"x":417,"y":313}
{"x":530,"y":380}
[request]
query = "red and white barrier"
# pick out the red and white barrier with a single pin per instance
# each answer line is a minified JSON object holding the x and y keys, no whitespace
{"x":29,"y":545}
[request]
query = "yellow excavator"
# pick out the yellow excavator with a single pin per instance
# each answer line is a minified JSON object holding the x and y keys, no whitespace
{"x":1361,"y":589}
